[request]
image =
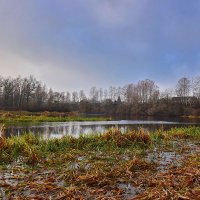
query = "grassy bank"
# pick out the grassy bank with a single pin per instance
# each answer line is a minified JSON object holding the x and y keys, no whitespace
{"x":131,"y":165}
{"x":25,"y":117}
{"x":191,"y":116}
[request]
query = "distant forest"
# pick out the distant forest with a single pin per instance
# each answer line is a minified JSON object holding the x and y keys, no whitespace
{"x":141,"y":98}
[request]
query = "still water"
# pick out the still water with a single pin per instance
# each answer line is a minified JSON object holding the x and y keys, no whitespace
{"x":59,"y":129}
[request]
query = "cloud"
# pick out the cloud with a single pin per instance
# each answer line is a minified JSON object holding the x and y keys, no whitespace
{"x":77,"y":44}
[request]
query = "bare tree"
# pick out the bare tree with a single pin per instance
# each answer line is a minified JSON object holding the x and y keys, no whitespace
{"x":147,"y":91}
{"x":40,"y":96}
{"x":68,"y":97}
{"x":196,"y":87}
{"x":105,"y":94}
{"x":82,"y":95}
{"x":8,"y":87}
{"x":94,"y":94}
{"x":183,"y":89}
{"x":135,"y":98}
{"x":17,"y":93}
{"x":28,"y":88}
{"x":75,"y":98}
{"x":100,"y":94}
{"x":1,"y":90}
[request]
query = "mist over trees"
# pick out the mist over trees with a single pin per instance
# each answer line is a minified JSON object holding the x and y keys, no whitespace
{"x":142,"y":98}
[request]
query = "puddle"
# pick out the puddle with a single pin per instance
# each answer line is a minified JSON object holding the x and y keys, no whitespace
{"x":125,"y":158}
{"x":165,"y":158}
{"x":129,"y":190}
{"x":73,"y":166}
{"x":11,"y":178}
{"x":61,"y":183}
{"x":192,"y":148}
{"x":80,"y":158}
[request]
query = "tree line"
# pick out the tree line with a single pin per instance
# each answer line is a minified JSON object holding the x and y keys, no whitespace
{"x":141,"y":98}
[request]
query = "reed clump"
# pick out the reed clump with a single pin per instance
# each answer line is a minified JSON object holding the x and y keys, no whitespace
{"x":2,"y":137}
{"x":120,"y":139}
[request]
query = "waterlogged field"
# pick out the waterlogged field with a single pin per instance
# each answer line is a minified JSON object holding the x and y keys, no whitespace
{"x":113,"y":165}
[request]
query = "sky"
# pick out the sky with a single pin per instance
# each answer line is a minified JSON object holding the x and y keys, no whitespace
{"x":76,"y":44}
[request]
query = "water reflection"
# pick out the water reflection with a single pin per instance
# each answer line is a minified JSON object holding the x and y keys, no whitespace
{"x":60,"y":129}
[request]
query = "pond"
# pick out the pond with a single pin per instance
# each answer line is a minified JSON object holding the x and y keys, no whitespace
{"x":59,"y":129}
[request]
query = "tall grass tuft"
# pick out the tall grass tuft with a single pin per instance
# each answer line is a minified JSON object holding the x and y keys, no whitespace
{"x":2,"y":137}
{"x":115,"y":135}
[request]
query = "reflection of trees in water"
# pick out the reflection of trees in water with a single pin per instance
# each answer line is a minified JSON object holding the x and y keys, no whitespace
{"x":60,"y":130}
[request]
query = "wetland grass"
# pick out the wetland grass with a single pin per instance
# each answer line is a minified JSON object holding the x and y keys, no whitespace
{"x":113,"y":165}
{"x":27,"y":117}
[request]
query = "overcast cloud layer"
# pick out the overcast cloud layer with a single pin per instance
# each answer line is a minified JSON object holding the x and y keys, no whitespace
{"x":75,"y":44}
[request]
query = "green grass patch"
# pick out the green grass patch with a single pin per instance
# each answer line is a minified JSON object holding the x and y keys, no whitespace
{"x":27,"y":117}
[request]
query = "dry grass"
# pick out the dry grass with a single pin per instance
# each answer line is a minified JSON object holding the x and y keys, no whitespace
{"x":115,"y":135}
{"x":93,"y":167}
